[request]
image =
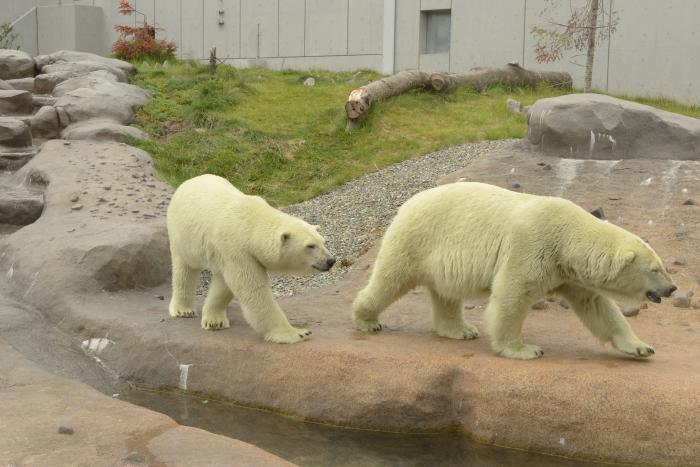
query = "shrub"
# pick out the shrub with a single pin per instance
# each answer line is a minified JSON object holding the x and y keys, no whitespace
{"x":7,"y":37}
{"x":139,"y":42}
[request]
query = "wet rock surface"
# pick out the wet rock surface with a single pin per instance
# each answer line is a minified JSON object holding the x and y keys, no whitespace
{"x":597,"y":126}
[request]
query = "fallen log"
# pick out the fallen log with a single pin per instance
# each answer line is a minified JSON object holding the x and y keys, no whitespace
{"x":358,"y":104}
{"x":481,"y":78}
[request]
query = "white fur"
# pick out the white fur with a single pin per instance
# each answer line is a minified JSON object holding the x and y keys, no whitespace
{"x":469,"y":240}
{"x":239,"y":238}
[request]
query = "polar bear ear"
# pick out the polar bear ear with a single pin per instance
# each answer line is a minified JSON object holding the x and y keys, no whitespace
{"x":628,"y":257}
{"x":285,"y":236}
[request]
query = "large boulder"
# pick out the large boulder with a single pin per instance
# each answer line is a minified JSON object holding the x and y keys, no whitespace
{"x":73,"y":56}
{"x":596,"y":126}
{"x":5,"y":86}
{"x":84,"y":67}
{"x":45,"y":123}
{"x":15,"y":64}
{"x":20,"y":205}
{"x":13,"y":159}
{"x":25,"y":84}
{"x":101,"y":129}
{"x":16,"y":102}
{"x":14,"y":132}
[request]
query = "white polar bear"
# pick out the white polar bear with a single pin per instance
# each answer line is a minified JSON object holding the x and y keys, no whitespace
{"x":469,"y":240}
{"x":239,"y":238}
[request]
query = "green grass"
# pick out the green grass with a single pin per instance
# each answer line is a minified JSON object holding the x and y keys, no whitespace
{"x":272,"y":136}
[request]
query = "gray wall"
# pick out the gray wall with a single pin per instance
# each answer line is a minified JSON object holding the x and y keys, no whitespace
{"x":652,"y":53}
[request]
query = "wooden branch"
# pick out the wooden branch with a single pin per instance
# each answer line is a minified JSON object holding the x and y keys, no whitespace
{"x":513,"y":74}
{"x":360,"y":100}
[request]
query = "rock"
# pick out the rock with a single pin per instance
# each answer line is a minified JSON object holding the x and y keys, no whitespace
{"x":75,"y":69}
{"x":515,"y":185}
{"x":73,"y":56}
{"x":599,"y":126}
{"x":24,"y":84}
{"x":40,"y":101}
{"x":633,"y":311}
{"x":74,"y":197}
{"x":14,"y":132}
{"x":526,"y":111}
{"x":45,"y":123}
{"x":65,"y":430}
{"x":135,"y":457}
{"x":513,"y":105}
{"x":689,"y":202}
{"x":102,"y":130}
{"x":564,"y":304}
{"x":15,"y":64}
{"x":46,"y":82}
{"x":310,"y":81}
{"x":5,"y":86}
{"x":682,"y":301}
{"x":15,"y":102}
{"x":598,"y":212}
{"x":679,"y":262}
{"x":13,"y":160}
{"x":541,"y":305}
{"x":19,"y":205}
{"x":76,"y":207}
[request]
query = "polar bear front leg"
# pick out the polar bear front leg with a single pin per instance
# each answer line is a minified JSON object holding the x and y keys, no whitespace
{"x":505,"y":315}
{"x":260,"y":309}
{"x":185,"y":279}
{"x":605,"y":320}
{"x":214,"y":309}
{"x":448,"y":319}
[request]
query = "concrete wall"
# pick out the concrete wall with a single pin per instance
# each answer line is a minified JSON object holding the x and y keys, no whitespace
{"x":652,"y":53}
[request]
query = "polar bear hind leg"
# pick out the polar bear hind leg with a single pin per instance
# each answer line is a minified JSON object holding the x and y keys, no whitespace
{"x":448,"y":318}
{"x":214,"y":309}
{"x":185,"y":280}
{"x":605,"y":320}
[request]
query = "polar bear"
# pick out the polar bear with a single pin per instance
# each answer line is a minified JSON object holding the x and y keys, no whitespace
{"x":469,"y":240}
{"x":240,"y":239}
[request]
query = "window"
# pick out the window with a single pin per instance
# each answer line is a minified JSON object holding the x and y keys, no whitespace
{"x":436,"y":31}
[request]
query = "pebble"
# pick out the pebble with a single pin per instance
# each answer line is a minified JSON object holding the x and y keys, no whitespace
{"x":541,"y":305}
{"x":160,"y":297}
{"x":74,"y":197}
{"x":76,"y":207}
{"x":631,"y":311}
{"x":516,"y":185}
{"x":65,"y":430}
{"x":598,"y":212}
{"x":564,"y":304}
{"x":689,"y":202}
{"x":682,"y":301}
{"x":135,"y":457}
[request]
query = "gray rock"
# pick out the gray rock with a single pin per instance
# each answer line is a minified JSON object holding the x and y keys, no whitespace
{"x":15,"y":64}
{"x":85,"y":104}
{"x":84,"y":67}
{"x":45,"y":123}
{"x":310,"y":81}
{"x":19,"y":205}
{"x":73,"y":56}
{"x":15,"y":102}
{"x":603,"y":127}
{"x":25,"y":84}
{"x":135,"y":457}
{"x":598,"y":212}
{"x":630,"y":311}
{"x":689,"y":202}
{"x":46,"y":82}
{"x":13,"y":160}
{"x":40,"y":101}
{"x":541,"y":305}
{"x":513,"y":105}
{"x":5,"y":86}
{"x":102,"y":130}
{"x":65,"y":430}
{"x":14,"y":132}
{"x":682,"y":301}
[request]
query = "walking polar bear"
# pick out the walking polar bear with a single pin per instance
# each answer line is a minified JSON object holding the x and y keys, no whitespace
{"x":240,"y":239}
{"x":468,"y":240}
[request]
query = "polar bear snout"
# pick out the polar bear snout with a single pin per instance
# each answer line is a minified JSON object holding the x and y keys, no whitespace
{"x":655,"y":295}
{"x":323,"y":267}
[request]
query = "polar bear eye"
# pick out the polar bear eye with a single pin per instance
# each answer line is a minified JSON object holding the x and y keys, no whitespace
{"x":311,"y":247}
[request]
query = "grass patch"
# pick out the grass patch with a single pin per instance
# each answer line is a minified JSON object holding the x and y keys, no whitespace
{"x":271,"y":136}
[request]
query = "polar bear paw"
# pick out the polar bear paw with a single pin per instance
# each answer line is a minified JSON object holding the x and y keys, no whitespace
{"x":214,"y":323}
{"x":522,"y":352}
{"x":463,"y":331}
{"x":288,"y":336}
{"x":178,"y":311}
{"x":368,"y":326}
{"x":634,"y":347}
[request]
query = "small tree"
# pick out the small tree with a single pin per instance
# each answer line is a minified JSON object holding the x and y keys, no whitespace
{"x":7,"y":37}
{"x":139,"y":42}
{"x":579,"y":32}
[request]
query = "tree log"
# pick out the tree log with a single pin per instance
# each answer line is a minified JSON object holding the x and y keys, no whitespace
{"x":513,"y":74}
{"x":360,"y":100}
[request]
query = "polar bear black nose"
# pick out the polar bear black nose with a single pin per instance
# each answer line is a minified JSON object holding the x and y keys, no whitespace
{"x":330,"y":262}
{"x":672,"y":289}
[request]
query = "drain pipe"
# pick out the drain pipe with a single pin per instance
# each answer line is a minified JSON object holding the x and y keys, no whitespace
{"x":389,"y":37}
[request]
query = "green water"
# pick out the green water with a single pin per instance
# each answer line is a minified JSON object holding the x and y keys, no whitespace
{"x":310,"y":444}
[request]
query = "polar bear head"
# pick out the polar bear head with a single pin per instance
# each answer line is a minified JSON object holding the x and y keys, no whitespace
{"x":302,"y":250}
{"x":637,"y":273}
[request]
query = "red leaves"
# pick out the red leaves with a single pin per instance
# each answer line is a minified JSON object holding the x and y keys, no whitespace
{"x":139,"y":42}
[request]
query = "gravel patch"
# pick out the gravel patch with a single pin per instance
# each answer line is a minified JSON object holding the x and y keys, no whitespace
{"x":354,"y":215}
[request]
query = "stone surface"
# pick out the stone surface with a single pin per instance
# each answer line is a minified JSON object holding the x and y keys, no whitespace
{"x":40,"y":101}
{"x":602,"y":127}
{"x":45,"y":123}
{"x":14,"y":159}
{"x":74,"y":56}
{"x":24,"y":84}
{"x":19,"y":205}
{"x":84,"y":67}
{"x":14,"y":132}
{"x":15,"y":64}
{"x":5,"y":86}
{"x":101,"y":130}
{"x":682,"y":300}
{"x":50,"y":420}
{"x":405,"y":377}
{"x":310,"y":81}
{"x":46,"y":82}
{"x":15,"y":102}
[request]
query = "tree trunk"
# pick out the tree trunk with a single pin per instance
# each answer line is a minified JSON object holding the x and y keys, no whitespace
{"x":513,"y":74}
{"x":590,"y":53}
{"x":360,"y":100}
